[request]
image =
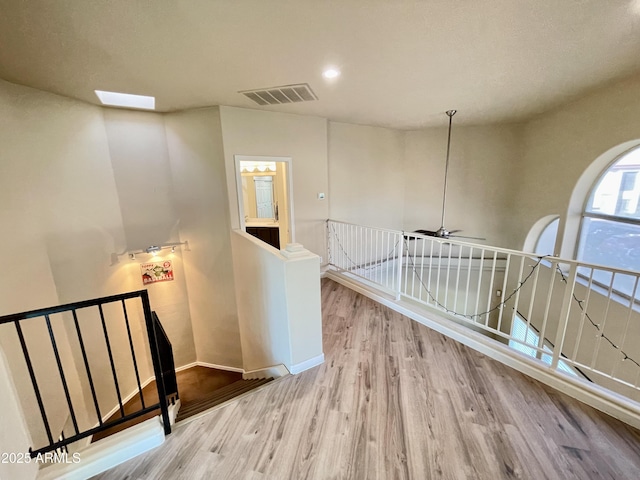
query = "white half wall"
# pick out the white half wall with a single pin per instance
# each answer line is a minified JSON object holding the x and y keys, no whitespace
{"x":278,"y":304}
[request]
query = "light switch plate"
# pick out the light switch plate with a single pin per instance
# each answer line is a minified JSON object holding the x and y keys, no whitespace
{"x":321,"y":196}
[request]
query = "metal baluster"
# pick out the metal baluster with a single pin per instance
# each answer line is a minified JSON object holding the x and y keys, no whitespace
{"x":430,"y":269}
{"x":133,"y":353}
{"x":413,"y":262}
{"x":466,"y":297}
{"x":65,"y":387}
{"x":480,"y":269}
{"x":504,"y":291}
{"x":398,"y":262}
{"x":626,"y":327}
{"x":446,"y":287}
{"x":583,"y":315}
{"x":32,"y":375}
{"x":493,"y":276}
{"x":438,"y":275}
{"x":113,"y":367}
{"x":155,"y":358}
{"x":517,"y":299}
{"x":533,"y":296}
{"x":604,"y":321}
{"x":564,"y":315}
{"x":543,"y":330}
{"x":86,"y":366}
{"x":421,"y":268}
{"x":455,"y":298}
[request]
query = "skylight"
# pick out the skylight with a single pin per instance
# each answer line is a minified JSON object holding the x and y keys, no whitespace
{"x":126,"y":100}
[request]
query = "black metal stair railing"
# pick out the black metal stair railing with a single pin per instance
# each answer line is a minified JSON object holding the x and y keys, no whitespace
{"x":165,"y":355}
{"x":161,"y":355}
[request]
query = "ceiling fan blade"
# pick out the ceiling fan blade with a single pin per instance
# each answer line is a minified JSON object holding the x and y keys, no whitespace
{"x":428,"y":233}
{"x":465,"y":236}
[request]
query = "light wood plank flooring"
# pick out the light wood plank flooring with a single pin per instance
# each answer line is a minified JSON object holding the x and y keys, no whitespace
{"x":395,"y":400}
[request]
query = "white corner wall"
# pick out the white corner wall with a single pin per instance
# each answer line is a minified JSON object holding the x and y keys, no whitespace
{"x":200,"y":191}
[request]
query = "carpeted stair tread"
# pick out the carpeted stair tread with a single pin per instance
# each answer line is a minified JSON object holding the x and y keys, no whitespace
{"x":220,"y":396}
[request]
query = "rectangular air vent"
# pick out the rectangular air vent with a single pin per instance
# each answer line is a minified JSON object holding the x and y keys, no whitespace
{"x":300,"y":92}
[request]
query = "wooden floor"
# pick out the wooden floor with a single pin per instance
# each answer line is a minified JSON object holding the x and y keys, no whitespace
{"x":394,"y":400}
{"x":194,"y":385}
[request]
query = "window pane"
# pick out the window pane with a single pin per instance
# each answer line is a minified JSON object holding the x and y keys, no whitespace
{"x":618,"y":190}
{"x":610,"y":243}
{"x":614,"y":244}
{"x":547,"y":241}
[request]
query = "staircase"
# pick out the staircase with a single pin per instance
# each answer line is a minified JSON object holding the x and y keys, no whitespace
{"x":220,"y":396}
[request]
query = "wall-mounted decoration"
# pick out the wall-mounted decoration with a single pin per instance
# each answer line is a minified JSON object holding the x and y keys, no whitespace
{"x":153,"y":272}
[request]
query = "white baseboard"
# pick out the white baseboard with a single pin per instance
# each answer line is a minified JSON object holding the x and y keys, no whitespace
{"x":187,"y":366}
{"x":307,"y":364}
{"x":108,"y":452}
{"x":600,"y":398}
{"x":275,"y":371}
{"x":220,"y":367}
{"x":134,"y":393}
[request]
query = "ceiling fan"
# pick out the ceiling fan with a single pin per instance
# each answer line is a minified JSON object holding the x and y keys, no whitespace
{"x":442,"y":232}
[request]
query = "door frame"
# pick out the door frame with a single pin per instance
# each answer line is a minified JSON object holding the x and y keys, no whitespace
{"x":263,"y":158}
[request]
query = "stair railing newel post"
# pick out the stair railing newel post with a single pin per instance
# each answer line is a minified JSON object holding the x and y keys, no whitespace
{"x":155,"y":357}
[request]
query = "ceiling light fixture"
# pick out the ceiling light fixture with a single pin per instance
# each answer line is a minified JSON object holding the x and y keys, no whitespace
{"x":331,"y":73}
{"x":127,"y":100}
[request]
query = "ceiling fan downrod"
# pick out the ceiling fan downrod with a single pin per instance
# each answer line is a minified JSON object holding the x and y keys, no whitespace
{"x":442,"y":232}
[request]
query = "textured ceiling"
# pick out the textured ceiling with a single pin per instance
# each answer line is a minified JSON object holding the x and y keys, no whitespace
{"x":403,"y":62}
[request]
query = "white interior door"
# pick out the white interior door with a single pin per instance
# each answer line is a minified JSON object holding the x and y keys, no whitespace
{"x":264,"y":196}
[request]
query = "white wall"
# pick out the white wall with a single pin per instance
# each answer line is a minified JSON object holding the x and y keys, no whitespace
{"x":141,"y":169}
{"x":200,"y":190}
{"x":304,"y":139}
{"x":59,"y":197}
{"x":366,"y":175}
{"x":479,"y":193}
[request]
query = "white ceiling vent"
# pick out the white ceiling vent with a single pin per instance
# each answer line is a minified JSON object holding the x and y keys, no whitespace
{"x":300,"y":92}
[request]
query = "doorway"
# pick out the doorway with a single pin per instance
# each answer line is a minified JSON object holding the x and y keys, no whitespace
{"x":265,"y":198}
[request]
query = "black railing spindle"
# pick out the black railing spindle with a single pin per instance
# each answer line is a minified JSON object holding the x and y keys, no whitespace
{"x":155,"y":357}
{"x":133,"y":353}
{"x":113,"y":365}
{"x":86,"y":366}
{"x":34,"y":382}
{"x":63,"y":378}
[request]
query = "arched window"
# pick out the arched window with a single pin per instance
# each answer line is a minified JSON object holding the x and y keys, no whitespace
{"x":610,"y":228}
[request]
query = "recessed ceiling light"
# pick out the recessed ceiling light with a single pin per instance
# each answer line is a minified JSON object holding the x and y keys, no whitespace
{"x":128,"y":100}
{"x":330,"y":73}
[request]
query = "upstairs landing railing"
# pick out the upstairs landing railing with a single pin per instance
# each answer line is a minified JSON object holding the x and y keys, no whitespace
{"x":93,"y":314}
{"x":575,"y":314}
